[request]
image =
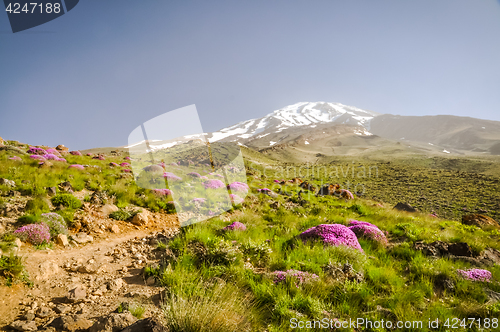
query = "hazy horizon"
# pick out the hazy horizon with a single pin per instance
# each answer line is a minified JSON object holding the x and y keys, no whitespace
{"x":88,"y":78}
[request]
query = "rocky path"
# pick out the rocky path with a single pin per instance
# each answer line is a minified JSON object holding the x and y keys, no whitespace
{"x":87,"y":280}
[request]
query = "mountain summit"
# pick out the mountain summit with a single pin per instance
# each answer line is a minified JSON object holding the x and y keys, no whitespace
{"x":297,"y":115}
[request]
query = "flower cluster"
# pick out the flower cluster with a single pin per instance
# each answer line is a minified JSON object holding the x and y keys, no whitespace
{"x":298,"y":277}
{"x":53,"y":151}
{"x":353,"y":222}
{"x":51,"y":156}
{"x":75,"y":153}
{"x":171,"y":176}
{"x":162,"y":192}
{"x":217,"y":175}
{"x":126,"y":158}
{"x":213,"y":184}
{"x":56,"y":224}
{"x":476,"y":275}
{"x":89,"y":154}
{"x":332,"y":234}
{"x":15,"y":158}
{"x":194,"y":175}
{"x":236,"y":199}
{"x":277,"y":181}
{"x":370,"y":232}
{"x":113,"y":164}
{"x":235,"y":226}
{"x":99,"y":157}
{"x":38,"y":151}
{"x":126,"y":170}
{"x":124,"y":164}
{"x":238,"y":186}
{"x":34,"y":233}
{"x":36,"y":156}
{"x":77,"y":166}
{"x":264,"y":190}
{"x":199,"y":200}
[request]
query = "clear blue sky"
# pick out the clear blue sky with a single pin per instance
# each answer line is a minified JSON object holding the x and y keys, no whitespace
{"x":88,"y":78}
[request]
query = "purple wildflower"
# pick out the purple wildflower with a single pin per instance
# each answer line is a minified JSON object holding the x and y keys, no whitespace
{"x":370,"y":232}
{"x":76,"y":153}
{"x":61,"y":159}
{"x":53,"y":151}
{"x":113,"y":164}
{"x":56,"y":223}
{"x":77,"y":166}
{"x":213,"y":184}
{"x":235,"y":226}
{"x":124,"y":164}
{"x":171,"y":176}
{"x":126,"y":158}
{"x":194,"y":175}
{"x":50,"y":156}
{"x":476,"y":275}
{"x":162,"y":192}
{"x":198,"y":200}
{"x":236,"y":199}
{"x":277,"y":181}
{"x":15,"y":158}
{"x":34,"y":233}
{"x":298,"y":277}
{"x":38,"y":151}
{"x":38,"y":157}
{"x":126,"y":170}
{"x":238,"y":186}
{"x":353,"y":222}
{"x":332,"y":234}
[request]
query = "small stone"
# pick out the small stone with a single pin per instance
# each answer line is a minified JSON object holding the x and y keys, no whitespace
{"x":101,"y":290}
{"x":20,"y":325}
{"x":113,"y":322}
{"x":151,"y":281}
{"x":151,"y":324}
{"x":82,"y":238}
{"x":141,"y":218}
{"x":124,"y":269}
{"x":115,"y":284}
{"x":29,"y":315}
{"x":18,"y":243}
{"x":115,"y":229}
{"x":107,"y":209}
{"x":62,"y":240}
{"x":43,"y":312}
{"x":71,"y":323}
{"x":90,"y":268}
{"x":77,"y":294}
{"x":62,"y":308}
{"x":51,"y":191}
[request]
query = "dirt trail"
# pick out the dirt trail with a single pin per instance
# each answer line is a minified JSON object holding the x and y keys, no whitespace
{"x":55,"y":272}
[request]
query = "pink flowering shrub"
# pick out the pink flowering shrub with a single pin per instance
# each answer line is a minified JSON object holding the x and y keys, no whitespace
{"x":124,"y":164}
{"x":126,"y":158}
{"x":77,"y":166}
{"x":113,"y":164}
{"x":213,"y":184}
{"x":89,"y":154}
{"x":235,"y":226}
{"x":51,"y":156}
{"x":126,"y":170}
{"x":75,"y":153}
{"x":38,"y":151}
{"x":295,"y":276}
{"x":34,"y":233}
{"x":99,"y":157}
{"x":162,"y":192}
{"x":38,"y":157}
{"x":353,"y":222}
{"x":370,"y":232}
{"x":15,"y":158}
{"x":238,"y":186}
{"x":203,"y":177}
{"x":218,"y":175}
{"x":236,"y":199}
{"x":194,"y":175}
{"x":332,"y":234}
{"x":475,"y":275}
{"x":277,"y":181}
{"x":198,"y":200}
{"x":56,"y":224}
{"x":171,"y":176}
{"x":53,"y":151}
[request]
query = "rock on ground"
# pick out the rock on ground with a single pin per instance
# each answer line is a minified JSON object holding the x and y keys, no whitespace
{"x":141,"y":218}
{"x":146,"y":325}
{"x":113,"y":322}
{"x":20,"y":325}
{"x":405,"y":207}
{"x":71,"y":323}
{"x":62,"y":240}
{"x":77,"y":294}
{"x":82,"y":238}
{"x":479,"y":220}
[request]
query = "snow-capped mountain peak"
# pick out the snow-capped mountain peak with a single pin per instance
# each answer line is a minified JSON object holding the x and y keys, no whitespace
{"x":299,"y":114}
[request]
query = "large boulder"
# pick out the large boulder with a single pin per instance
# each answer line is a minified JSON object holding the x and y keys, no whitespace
{"x":62,"y":148}
{"x":479,"y":220}
{"x":113,"y":322}
{"x":142,"y":218}
{"x":405,"y":207}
